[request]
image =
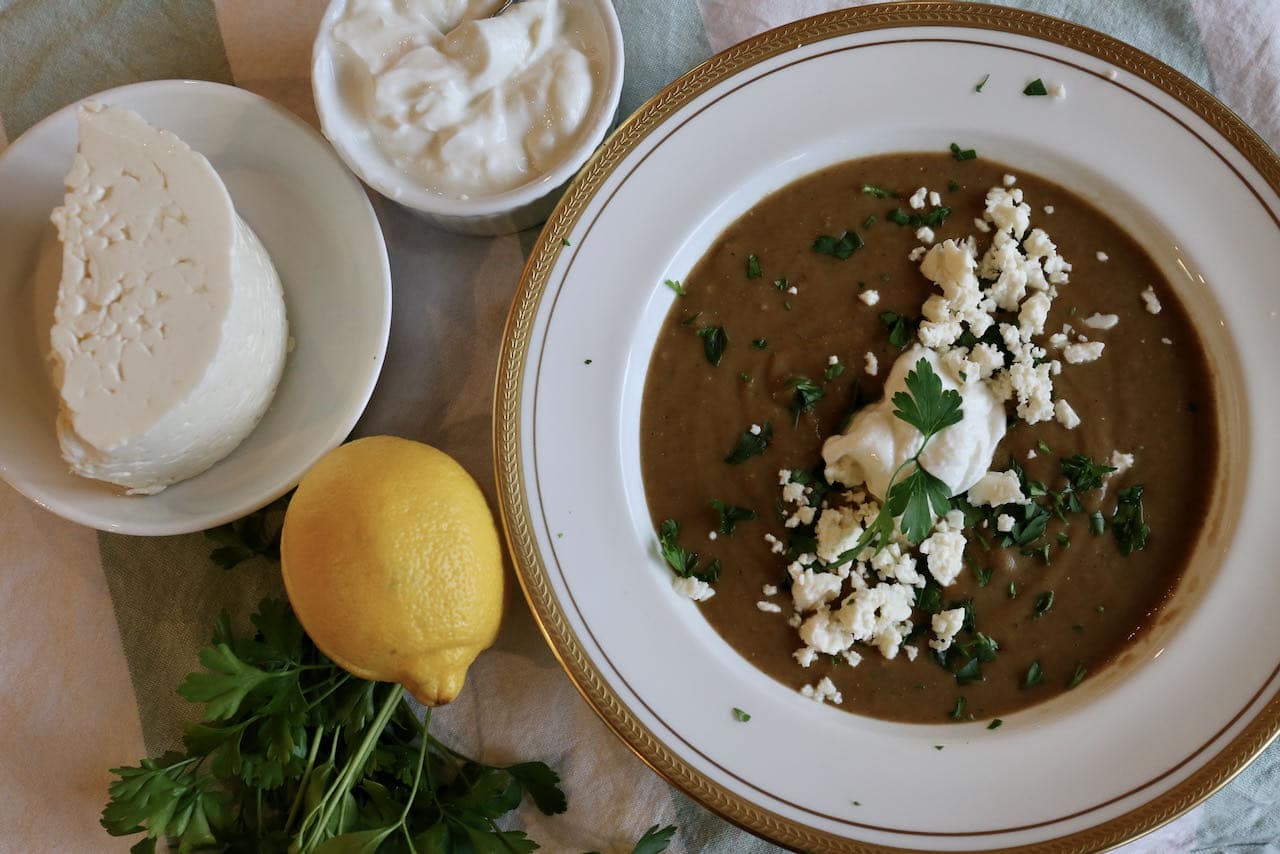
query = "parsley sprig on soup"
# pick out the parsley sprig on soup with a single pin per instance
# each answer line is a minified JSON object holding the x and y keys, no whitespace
{"x":919,"y":433}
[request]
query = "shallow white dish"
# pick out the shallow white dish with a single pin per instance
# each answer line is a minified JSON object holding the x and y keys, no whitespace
{"x":1114,"y":759}
{"x":495,"y":213}
{"x":324,"y":239}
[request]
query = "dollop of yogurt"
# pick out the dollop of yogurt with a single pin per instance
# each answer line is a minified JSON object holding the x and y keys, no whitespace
{"x":463,"y":103}
{"x":877,"y":442}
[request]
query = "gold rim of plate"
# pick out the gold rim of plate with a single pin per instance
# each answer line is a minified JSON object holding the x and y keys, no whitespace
{"x":532,"y":571}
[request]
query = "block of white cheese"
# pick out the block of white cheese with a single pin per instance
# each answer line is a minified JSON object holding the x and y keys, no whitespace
{"x":169,"y":331}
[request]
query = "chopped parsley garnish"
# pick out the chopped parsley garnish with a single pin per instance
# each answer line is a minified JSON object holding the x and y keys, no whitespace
{"x":676,"y":286}
{"x":691,"y":319}
{"x":969,"y":673}
{"x":953,"y":186}
{"x":586,"y":361}
{"x":1083,"y":474}
{"x":938,"y":746}
{"x":786,"y":304}
{"x":714,"y":342}
{"x":750,"y":445}
{"x":878,"y":192}
{"x":927,"y":407}
{"x":731,"y":515}
{"x":1044,"y":447}
{"x":1043,"y":603}
{"x":1077,"y":677}
{"x":1127,"y":523}
{"x":740,"y":716}
{"x":898,"y":216}
{"x":1034,"y":675}
{"x":934,"y":218}
{"x":1041,"y":551}
{"x":564,"y":241}
{"x":929,"y":597}
{"x":900,"y":328}
{"x":780,"y":284}
{"x":835,"y":370}
{"x":983,"y":575}
{"x":805,"y":395}
{"x":957,"y":711}
{"x":1096,"y":523}
{"x":1035,"y":87}
{"x":995,"y":723}
{"x":962,"y":153}
{"x":838,"y":247}
{"x":759,"y":343}
{"x":683,"y":562}
{"x":870,"y":221}
{"x":1064,"y":541}
{"x":753,"y":267}
{"x":981,"y":83}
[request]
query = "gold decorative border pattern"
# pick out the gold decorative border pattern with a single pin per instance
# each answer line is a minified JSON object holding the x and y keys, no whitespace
{"x":509,"y":395}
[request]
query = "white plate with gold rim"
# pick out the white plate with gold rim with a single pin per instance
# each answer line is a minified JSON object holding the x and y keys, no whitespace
{"x":1120,"y":756}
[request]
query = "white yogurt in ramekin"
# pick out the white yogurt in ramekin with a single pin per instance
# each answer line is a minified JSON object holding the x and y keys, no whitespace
{"x":470,"y":119}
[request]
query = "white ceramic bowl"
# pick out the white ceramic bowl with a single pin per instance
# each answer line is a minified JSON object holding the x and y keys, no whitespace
{"x":498,"y":213}
{"x":320,"y":230}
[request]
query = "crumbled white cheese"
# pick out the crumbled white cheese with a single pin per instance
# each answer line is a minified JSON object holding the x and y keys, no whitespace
{"x":870,"y":297}
{"x":1009,"y":180}
{"x":1048,"y":209}
{"x":1065,"y":414}
{"x":755,"y":429}
{"x":916,"y":254}
{"x":1031,"y":454}
{"x":693,"y":588}
{"x":1058,"y":90}
{"x":893,"y":564}
{"x":872,"y":363}
{"x":802,"y":516}
{"x":946,"y":625}
{"x":917,"y":198}
{"x":924,"y":234}
{"x":935,"y":198}
{"x":996,"y":488}
{"x":1166,"y":340}
{"x":805,"y":655}
{"x":793,"y":493}
{"x":711,"y":535}
{"x":1152,"y":301}
{"x":945,"y":549}
{"x":1112,"y":74}
{"x":852,"y":657}
{"x":833,"y":360}
{"x":1035,"y":311}
{"x":1078,"y":354}
{"x":1004,"y":523}
{"x":911,"y":651}
{"x":793,"y":290}
{"x":794,"y":620}
{"x":769,"y":590}
{"x":769,"y":607}
{"x":784,"y":476}
{"x":981,"y":225}
{"x":1103,"y":257}
{"x":1101,"y":321}
{"x":825,"y":690}
{"x":810,"y":589}
{"x":1120,"y":462}
{"x":839,"y":528}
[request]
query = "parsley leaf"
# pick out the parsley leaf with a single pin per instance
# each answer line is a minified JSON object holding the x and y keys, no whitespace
{"x":740,"y":715}
{"x":676,"y":286}
{"x":805,"y":395}
{"x":924,"y":405}
{"x":900,"y":328}
{"x":962,"y":153}
{"x":714,"y":342}
{"x":1034,"y":675}
{"x":995,"y":723}
{"x":1035,"y":87}
{"x":681,"y":560}
{"x":982,"y":82}
{"x":1077,"y":677}
{"x":655,"y":840}
{"x":911,"y":499}
{"x":957,"y":711}
{"x":750,"y":445}
{"x":731,"y":515}
{"x":753,"y":267}
{"x":1127,"y":523}
{"x":255,"y":535}
{"x":878,"y":193}
{"x":1083,"y":474}
{"x":1044,"y":602}
{"x":838,"y":247}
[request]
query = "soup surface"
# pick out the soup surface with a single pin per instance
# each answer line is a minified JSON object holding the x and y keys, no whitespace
{"x":1059,"y":605}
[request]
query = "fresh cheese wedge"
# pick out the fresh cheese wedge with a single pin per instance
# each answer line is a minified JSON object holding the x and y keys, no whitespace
{"x":169,"y":331}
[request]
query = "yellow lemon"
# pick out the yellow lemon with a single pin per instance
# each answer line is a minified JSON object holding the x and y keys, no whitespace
{"x":392,"y":563}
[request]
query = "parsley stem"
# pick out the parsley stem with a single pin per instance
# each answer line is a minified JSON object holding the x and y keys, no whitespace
{"x":336,"y":795}
{"x":316,"y":738}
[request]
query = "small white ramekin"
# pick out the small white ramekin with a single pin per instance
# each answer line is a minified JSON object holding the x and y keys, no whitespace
{"x":500,"y":213}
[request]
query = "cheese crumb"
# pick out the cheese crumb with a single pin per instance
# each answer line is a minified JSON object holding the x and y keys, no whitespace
{"x":935,"y":198}
{"x":1079,"y":354}
{"x":1009,"y":180}
{"x":1101,"y":321}
{"x":946,"y":625}
{"x":806,"y":655}
{"x":870,"y":297}
{"x":924,"y":234}
{"x":1065,"y":414}
{"x":917,"y":198}
{"x":1120,"y":462}
{"x":693,"y":588}
{"x":833,"y":360}
{"x":981,"y":225}
{"x":769,"y":607}
{"x":1103,"y":257}
{"x":825,"y":690}
{"x":1166,"y":340}
{"x":711,"y":535}
{"x":1031,"y":454}
{"x":945,"y":550}
{"x":1058,"y":90}
{"x":1049,"y":209}
{"x":793,"y":290}
{"x":755,"y":429}
{"x":996,"y":488}
{"x":872,"y":364}
{"x":1153,"y":302}
{"x":916,"y":254}
{"x":1004,"y":523}
{"x":852,"y":657}
{"x":911,"y":651}
{"x":769,"y":590}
